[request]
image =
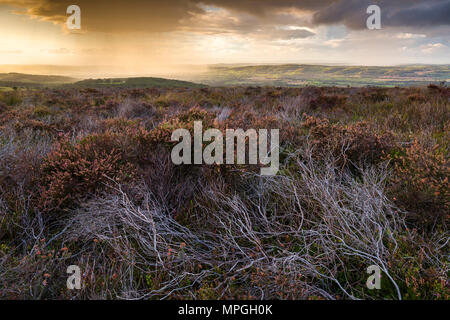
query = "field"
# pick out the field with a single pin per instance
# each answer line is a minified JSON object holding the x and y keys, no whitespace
{"x":86,"y":179}
{"x":295,"y":75}
{"x":284,"y":75}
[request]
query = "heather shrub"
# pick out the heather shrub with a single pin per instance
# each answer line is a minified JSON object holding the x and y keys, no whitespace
{"x":377,"y":95}
{"x":20,"y":159}
{"x":42,"y":111}
{"x":195,"y":114}
{"x":11,"y":98}
{"x":137,"y":93}
{"x":252,"y":90}
{"x":247,"y":118}
{"x":36,"y":275}
{"x":3,"y":107}
{"x":417,"y":98}
{"x":15,"y":116}
{"x":420,"y":183}
{"x":424,"y":277}
{"x":130,"y":109}
{"x":141,"y":227}
{"x":311,"y":92}
{"x":326,"y":102}
{"x":291,"y":108}
{"x":73,"y":171}
{"x":274,"y":93}
{"x":118,"y":124}
{"x":262,"y":239}
{"x":184,"y":120}
{"x":353,"y":143}
{"x":107,"y":109}
{"x":118,"y":152}
{"x":35,"y":125}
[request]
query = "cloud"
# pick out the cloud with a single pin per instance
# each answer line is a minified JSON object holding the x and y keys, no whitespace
{"x":294,"y":34}
{"x":174,"y":15}
{"x":268,"y":7}
{"x":334,"y":43}
{"x":352,"y":13}
{"x":11,"y":51}
{"x":58,"y":51}
{"x":406,"y":35}
{"x":428,"y":13}
{"x":280,"y":26}
{"x":432,"y":47}
{"x":113,"y":16}
{"x":395,"y":13}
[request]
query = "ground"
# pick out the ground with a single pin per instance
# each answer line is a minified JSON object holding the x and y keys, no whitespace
{"x":86,"y":179}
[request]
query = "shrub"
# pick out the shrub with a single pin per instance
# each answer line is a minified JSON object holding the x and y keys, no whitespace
{"x":73,"y":171}
{"x":185,"y":120}
{"x":204,"y":231}
{"x":35,"y":125}
{"x":118,"y":124}
{"x":325,"y":102}
{"x":3,"y":107}
{"x":417,"y":98}
{"x":129,"y":109}
{"x":378,"y":95}
{"x":11,"y":98}
{"x":42,"y":111}
{"x":355,"y":142}
{"x":33,"y":273}
{"x":420,"y":183}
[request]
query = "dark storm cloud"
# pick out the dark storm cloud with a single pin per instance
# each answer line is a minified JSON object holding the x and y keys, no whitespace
{"x":114,"y":16}
{"x":294,"y":34}
{"x":351,"y":13}
{"x":170,"y":15}
{"x":428,"y":14}
{"x":400,"y":13}
{"x":266,"y":7}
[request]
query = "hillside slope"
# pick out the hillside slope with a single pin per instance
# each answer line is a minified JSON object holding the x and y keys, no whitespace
{"x":141,"y":82}
{"x":301,"y":75}
{"x":14,"y":79}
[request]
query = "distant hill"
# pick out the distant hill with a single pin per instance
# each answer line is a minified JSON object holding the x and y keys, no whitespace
{"x":22,"y":80}
{"x":13,"y":79}
{"x":301,"y":75}
{"x":32,"y":78}
{"x":286,"y":75}
{"x":142,"y":82}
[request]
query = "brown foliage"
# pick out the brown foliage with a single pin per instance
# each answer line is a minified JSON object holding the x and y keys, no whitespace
{"x":355,"y":142}
{"x":3,"y":107}
{"x":74,"y":171}
{"x":420,"y":183}
{"x":326,"y":102}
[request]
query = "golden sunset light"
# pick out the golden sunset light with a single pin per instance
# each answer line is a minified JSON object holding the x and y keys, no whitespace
{"x":183,"y":32}
{"x":225,"y":159}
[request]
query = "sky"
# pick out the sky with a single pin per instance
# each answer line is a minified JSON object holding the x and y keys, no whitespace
{"x":151,"y":37}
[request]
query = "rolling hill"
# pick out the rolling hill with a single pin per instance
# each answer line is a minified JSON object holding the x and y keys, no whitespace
{"x":14,"y":79}
{"x":21,"y":80}
{"x":287,"y":75}
{"x":140,"y":82}
{"x":323,"y":75}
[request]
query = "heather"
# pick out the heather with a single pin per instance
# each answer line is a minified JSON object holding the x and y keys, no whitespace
{"x":86,"y":179}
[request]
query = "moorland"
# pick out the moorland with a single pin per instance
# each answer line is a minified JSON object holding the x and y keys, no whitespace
{"x":86,"y":179}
